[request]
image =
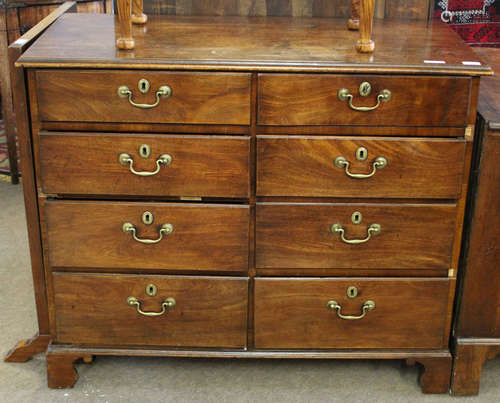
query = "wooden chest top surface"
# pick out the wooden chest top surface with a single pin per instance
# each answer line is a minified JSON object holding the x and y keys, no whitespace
{"x":253,"y":43}
{"x":489,"y":95}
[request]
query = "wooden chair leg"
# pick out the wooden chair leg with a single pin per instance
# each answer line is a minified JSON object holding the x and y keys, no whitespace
{"x":61,"y":372}
{"x":366,"y":11}
{"x":353,"y":22}
{"x":138,"y":16}
{"x":435,"y":376}
{"x":125,"y":41}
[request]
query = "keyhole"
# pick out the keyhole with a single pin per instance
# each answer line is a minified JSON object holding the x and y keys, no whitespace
{"x":144,"y":151}
{"x":361,"y":154}
{"x":147,"y":218}
{"x":143,"y":85}
{"x":352,"y":292}
{"x":356,"y":217}
{"x":151,"y":290}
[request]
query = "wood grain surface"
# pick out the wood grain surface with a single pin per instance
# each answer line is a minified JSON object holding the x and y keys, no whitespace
{"x":209,"y":311}
{"x":292,"y":313}
{"x":288,"y":99}
{"x":87,"y":163}
{"x":304,"y":166}
{"x":260,"y":43}
{"x":220,"y":98}
{"x":205,"y":237}
{"x":298,"y":236}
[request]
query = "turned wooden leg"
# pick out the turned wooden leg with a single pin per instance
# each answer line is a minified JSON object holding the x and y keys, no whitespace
{"x":125,"y":41}
{"x":366,"y":10}
{"x":27,"y":348}
{"x":353,"y":22}
{"x":61,"y":372}
{"x":435,"y":375}
{"x":468,"y":365}
{"x":138,"y":16}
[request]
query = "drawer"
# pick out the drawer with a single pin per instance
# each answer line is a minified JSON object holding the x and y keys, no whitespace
{"x":189,"y":236}
{"x":300,"y":235}
{"x":399,"y":313}
{"x":92,"y":96}
{"x":199,"y":311}
{"x":351,"y":167}
{"x":312,"y":99}
{"x":216,"y":166}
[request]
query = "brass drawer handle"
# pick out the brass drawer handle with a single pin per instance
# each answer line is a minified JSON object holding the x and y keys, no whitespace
{"x":373,"y":229}
{"x":378,"y":163}
{"x":345,"y":95}
{"x":163,"y":92}
{"x":367,"y":307}
{"x":168,"y":303}
{"x":129,"y":228}
{"x":164,"y":159}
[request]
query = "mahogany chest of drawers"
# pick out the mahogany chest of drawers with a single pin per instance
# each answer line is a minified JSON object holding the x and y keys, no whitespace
{"x":245,"y":187}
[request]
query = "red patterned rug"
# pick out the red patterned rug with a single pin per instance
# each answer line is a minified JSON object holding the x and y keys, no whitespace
{"x":476,"y":21}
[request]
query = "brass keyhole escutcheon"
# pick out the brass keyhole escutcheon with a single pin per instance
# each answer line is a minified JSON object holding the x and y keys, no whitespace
{"x":144,"y":151}
{"x":361,"y":154}
{"x":356,"y":217}
{"x":143,"y":86}
{"x":151,"y":290}
{"x":147,"y":218}
{"x":352,"y":292}
{"x":365,"y":89}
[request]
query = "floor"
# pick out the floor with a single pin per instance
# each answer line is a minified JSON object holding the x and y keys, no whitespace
{"x":116,"y":379}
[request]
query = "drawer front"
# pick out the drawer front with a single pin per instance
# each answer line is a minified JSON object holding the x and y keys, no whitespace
{"x":208,"y":311}
{"x":331,"y":167}
{"x":300,"y":99}
{"x":295,"y":313}
{"x":92,"y":96}
{"x":201,"y":237}
{"x":300,"y":236}
{"x":86,"y":163}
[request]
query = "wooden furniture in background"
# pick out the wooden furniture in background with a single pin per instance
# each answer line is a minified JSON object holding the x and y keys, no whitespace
{"x":132,"y":12}
{"x":477,"y":328}
{"x":16,"y":18}
{"x":248,"y":193}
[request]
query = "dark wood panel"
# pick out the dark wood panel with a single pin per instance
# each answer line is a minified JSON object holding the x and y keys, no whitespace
{"x":216,"y":166}
{"x":218,"y":98}
{"x":205,"y":237}
{"x":208,"y":311}
{"x":293,"y":313}
{"x":304,"y":166}
{"x":286,"y":99}
{"x":299,"y":236}
{"x":480,"y":301}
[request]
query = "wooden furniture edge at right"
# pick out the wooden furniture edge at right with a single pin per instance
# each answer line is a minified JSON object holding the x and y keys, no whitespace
{"x":362,"y":12}
{"x":27,"y":348}
{"x":469,"y":357}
